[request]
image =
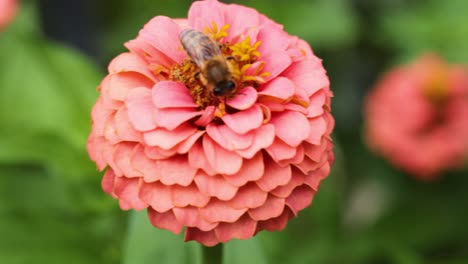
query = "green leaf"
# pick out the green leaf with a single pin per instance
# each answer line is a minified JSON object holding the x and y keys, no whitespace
{"x":147,"y":244}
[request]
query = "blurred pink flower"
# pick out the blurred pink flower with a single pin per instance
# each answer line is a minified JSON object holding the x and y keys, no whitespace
{"x":222,"y":168}
{"x":7,"y":11}
{"x":417,"y":116}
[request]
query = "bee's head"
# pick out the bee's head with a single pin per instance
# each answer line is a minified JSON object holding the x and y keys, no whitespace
{"x":224,"y":88}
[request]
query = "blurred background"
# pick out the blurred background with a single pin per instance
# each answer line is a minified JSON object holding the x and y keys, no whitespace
{"x":52,"y":209}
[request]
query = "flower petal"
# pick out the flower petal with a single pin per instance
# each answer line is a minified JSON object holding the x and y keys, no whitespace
{"x":264,"y":137}
{"x":275,"y":63}
{"x":170,"y":118}
{"x":244,"y":121}
{"x":244,"y":99}
{"x":278,"y":223}
{"x":289,"y":121}
{"x":215,"y":186}
{"x":127,"y":191}
{"x":281,"y":151}
{"x":169,"y":94}
{"x":274,"y":176}
{"x":227,"y":138}
{"x":183,"y":196}
{"x":300,"y":198}
{"x":165,"y":220}
{"x":308,"y":75}
{"x":207,"y":238}
{"x":248,"y":196}
{"x":140,"y":109}
{"x":202,"y":15}
{"x":273,"y":207}
{"x":240,"y":19}
{"x":162,"y":33}
{"x":219,"y":211}
{"x":157,"y":195}
{"x":220,"y":159}
{"x":318,"y":127}
{"x":280,"y":87}
{"x":190,"y":217}
{"x":176,"y":170}
{"x":166,"y":139}
{"x":243,"y":228}
{"x":252,"y":169}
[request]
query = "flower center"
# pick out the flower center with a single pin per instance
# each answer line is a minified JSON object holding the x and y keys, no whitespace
{"x":241,"y":60}
{"x":436,"y":88}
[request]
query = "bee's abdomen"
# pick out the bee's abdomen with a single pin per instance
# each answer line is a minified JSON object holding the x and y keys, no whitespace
{"x":198,"y":46}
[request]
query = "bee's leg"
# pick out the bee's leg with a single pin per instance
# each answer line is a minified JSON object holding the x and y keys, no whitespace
{"x":231,"y":58}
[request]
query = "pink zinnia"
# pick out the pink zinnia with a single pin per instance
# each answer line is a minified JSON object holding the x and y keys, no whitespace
{"x":417,"y":116}
{"x":7,"y":11}
{"x":222,"y":167}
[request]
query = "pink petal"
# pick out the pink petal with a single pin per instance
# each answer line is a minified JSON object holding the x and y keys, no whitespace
{"x":202,"y":15}
{"x":244,"y":121}
{"x":308,"y":74}
{"x":118,"y":85}
{"x":298,"y":158}
{"x":218,"y":211}
{"x":127,"y":190}
{"x":158,"y":153}
{"x":169,"y":94}
{"x":166,"y":139}
{"x":147,"y":167}
{"x":207,"y":116}
{"x":176,"y":170}
{"x":252,"y":169}
{"x":284,"y":191}
{"x":208,"y":238}
{"x":215,"y":186}
{"x":227,"y":138}
{"x":140,"y":109}
{"x":244,"y":99}
{"x":300,"y":198}
{"x":318,"y":127}
{"x":244,"y":228}
{"x":280,"y":87}
{"x":278,"y":223}
{"x":291,"y":127}
{"x":273,"y":39}
{"x":275,"y":63}
{"x":130,"y":62}
{"x":274,"y":176}
{"x":124,"y":129}
{"x":307,"y":165}
{"x":163,"y":34}
{"x":170,"y":118}
{"x":157,"y":195}
{"x":190,"y":217}
{"x":315,"y":152}
{"x":122,"y":154}
{"x":197,"y":158}
{"x":264,"y":137}
{"x":107,"y":182}
{"x":165,"y":221}
{"x":154,"y":58}
{"x":314,"y":178}
{"x":95,"y":146}
{"x":101,"y":116}
{"x":220,"y":159}
{"x":240,"y":19}
{"x":186,"y":145}
{"x":316,"y":104}
{"x":248,"y":196}
{"x":189,"y":195}
{"x":273,"y":207}
{"x":280,"y":151}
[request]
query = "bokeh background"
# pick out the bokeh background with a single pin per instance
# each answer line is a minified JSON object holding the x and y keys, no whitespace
{"x":52,"y":209}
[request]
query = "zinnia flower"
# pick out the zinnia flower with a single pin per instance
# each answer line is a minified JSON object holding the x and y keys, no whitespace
{"x":222,"y":167}
{"x":7,"y":11}
{"x":417,"y":116}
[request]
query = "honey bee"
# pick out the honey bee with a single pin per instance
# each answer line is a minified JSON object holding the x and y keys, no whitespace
{"x":215,"y":71}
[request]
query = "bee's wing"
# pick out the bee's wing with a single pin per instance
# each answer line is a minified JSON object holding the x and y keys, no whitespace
{"x":199,"y":46}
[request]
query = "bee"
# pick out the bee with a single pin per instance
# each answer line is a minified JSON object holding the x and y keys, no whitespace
{"x":215,"y":71}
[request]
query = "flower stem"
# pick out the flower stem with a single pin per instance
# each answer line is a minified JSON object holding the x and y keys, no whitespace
{"x":213,"y":255}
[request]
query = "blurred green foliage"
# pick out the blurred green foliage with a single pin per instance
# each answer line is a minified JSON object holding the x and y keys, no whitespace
{"x":366,"y":212}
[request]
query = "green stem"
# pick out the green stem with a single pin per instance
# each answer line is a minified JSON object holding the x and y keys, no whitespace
{"x":213,"y":255}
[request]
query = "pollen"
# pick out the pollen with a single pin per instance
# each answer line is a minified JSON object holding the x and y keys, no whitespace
{"x":245,"y":66}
